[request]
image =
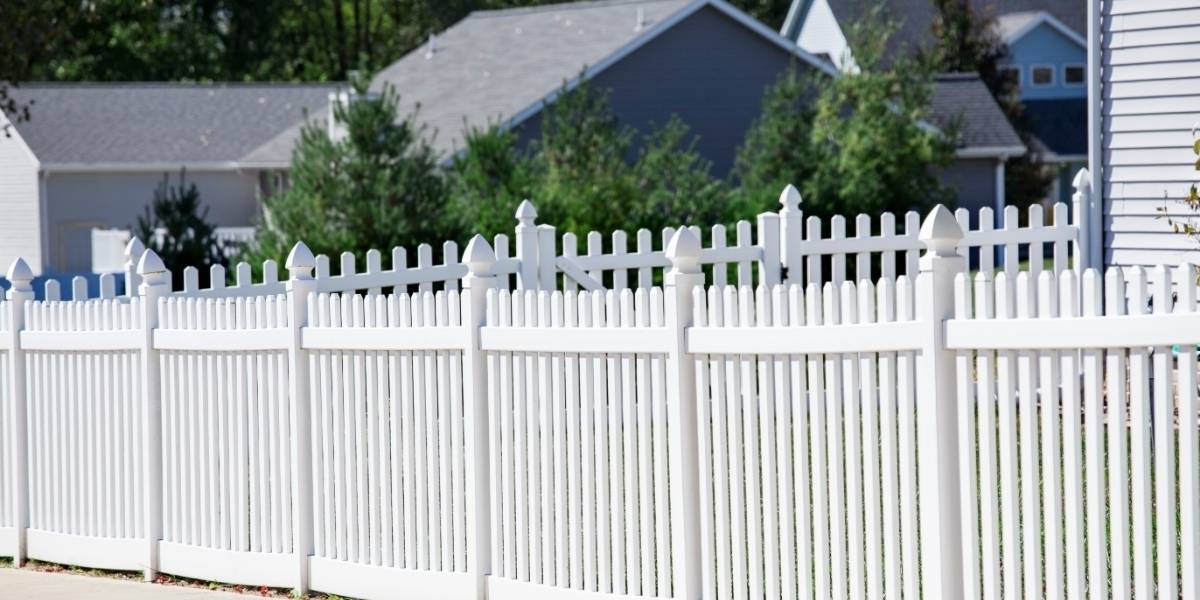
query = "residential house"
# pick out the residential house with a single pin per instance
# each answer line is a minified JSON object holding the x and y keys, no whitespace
{"x":1047,"y":52}
{"x":701,"y":60}
{"x":1143,"y":111}
{"x":91,"y":156}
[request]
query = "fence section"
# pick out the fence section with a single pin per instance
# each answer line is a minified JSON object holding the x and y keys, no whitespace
{"x":1083,"y":416}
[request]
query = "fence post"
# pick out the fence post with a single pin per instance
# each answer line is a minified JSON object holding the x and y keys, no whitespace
{"x":133,"y":252}
{"x":684,"y":277}
{"x":527,"y":246}
{"x":791,"y":234}
{"x":300,"y":265}
{"x":1080,"y":201}
{"x":21,"y":278}
{"x":155,"y":282}
{"x":937,"y":410}
{"x":480,"y":260}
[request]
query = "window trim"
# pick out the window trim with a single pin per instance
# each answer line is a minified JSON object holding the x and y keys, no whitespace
{"x":1082,"y":81}
{"x":1033,"y":82}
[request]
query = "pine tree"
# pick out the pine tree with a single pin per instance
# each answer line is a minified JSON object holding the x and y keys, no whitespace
{"x":175,"y":225}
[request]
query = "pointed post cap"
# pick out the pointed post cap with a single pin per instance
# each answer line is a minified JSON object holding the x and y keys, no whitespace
{"x":1083,"y":180}
{"x":134,"y":250}
{"x":300,"y":261}
{"x":479,"y":256}
{"x":526,"y":213}
{"x":150,"y":264}
{"x":941,"y":232}
{"x":684,"y":251}
{"x":790,"y":199}
{"x":20,"y":275}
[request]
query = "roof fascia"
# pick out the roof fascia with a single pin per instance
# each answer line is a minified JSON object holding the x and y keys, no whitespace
{"x":990,"y":152}
{"x":657,"y":30}
{"x":796,"y":16}
{"x":158,"y":167}
{"x":1044,"y":17}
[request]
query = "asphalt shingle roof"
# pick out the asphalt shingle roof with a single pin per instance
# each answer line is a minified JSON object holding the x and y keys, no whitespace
{"x":494,"y":64}
{"x":983,"y":124}
{"x":138,"y":123}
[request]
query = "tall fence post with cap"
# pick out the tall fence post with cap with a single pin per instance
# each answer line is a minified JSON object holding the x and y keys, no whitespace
{"x":300,"y":285}
{"x":480,"y":260}
{"x":21,"y":278}
{"x":682,"y":280}
{"x":791,"y":235}
{"x":527,"y":246}
{"x":937,"y":410}
{"x":155,"y":283}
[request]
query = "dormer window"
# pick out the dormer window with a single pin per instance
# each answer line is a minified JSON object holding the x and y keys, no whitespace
{"x":1041,"y":76}
{"x":1073,"y":75}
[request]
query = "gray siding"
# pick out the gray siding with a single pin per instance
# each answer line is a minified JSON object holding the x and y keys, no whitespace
{"x":974,"y":181}
{"x":709,"y":70}
{"x":20,"y":235}
{"x":78,"y":202}
{"x":1151,"y":101}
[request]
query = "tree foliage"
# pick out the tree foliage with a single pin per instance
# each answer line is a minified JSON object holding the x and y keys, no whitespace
{"x":175,"y":225}
{"x":858,"y":143}
{"x":378,"y":186}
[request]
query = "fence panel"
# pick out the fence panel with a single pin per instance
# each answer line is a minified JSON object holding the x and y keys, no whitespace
{"x":225,"y":439}
{"x":85,"y":433}
{"x":582,"y":464}
{"x":807,"y":441}
{"x":389,"y":499}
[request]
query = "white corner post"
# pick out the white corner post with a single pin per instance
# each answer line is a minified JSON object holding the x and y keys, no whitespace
{"x":480,"y":260}
{"x":155,"y":283}
{"x":791,"y":234}
{"x":21,"y":278}
{"x":682,"y":280}
{"x":937,"y":411}
{"x":1081,"y":202}
{"x":133,"y":253}
{"x":527,"y":246}
{"x":300,"y":285}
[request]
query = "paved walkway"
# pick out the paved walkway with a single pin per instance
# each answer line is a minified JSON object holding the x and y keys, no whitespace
{"x":25,"y":584}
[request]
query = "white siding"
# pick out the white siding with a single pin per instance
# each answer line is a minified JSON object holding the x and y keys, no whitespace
{"x":821,"y":34}
{"x":20,"y":231}
{"x":1151,"y":102}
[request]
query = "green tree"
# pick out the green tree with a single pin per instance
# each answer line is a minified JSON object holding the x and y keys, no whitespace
{"x":856,"y":143}
{"x":966,"y":40}
{"x":376,"y":187}
{"x":488,"y":180}
{"x":175,"y":225}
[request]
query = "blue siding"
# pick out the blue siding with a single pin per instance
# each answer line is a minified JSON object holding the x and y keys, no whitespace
{"x":1045,"y":45}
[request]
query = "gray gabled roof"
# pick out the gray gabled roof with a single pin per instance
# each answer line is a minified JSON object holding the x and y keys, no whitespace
{"x":93,"y":125}
{"x":501,"y":65}
{"x":983,"y":126}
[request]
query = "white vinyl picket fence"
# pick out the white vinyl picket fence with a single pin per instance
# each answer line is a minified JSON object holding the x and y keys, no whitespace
{"x":925,"y":430}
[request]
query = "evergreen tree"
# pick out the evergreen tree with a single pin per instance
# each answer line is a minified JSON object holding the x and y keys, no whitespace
{"x":967,"y":40}
{"x":376,"y":187}
{"x":175,"y":225}
{"x":857,"y":143}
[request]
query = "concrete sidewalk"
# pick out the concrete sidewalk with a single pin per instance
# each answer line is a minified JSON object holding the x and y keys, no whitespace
{"x":25,"y":584}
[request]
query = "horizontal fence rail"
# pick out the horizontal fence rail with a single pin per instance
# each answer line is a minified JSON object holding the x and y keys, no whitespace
{"x":946,"y":432}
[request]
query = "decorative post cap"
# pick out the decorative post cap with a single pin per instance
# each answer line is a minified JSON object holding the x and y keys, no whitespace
{"x":684,"y":251}
{"x":150,"y":264}
{"x":134,"y":250}
{"x":941,"y":232}
{"x":300,"y":261}
{"x":790,"y":199}
{"x":20,"y":275}
{"x":526,"y":213}
{"x":479,"y":256}
{"x":1083,"y":180}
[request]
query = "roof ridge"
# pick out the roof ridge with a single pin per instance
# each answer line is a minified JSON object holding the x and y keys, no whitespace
{"x":582,"y":4}
{"x":956,"y":76}
{"x":177,"y":84}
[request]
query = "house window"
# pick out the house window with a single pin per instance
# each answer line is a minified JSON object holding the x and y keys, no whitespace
{"x":1041,"y":76}
{"x":1073,"y":74}
{"x":1011,"y":75}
